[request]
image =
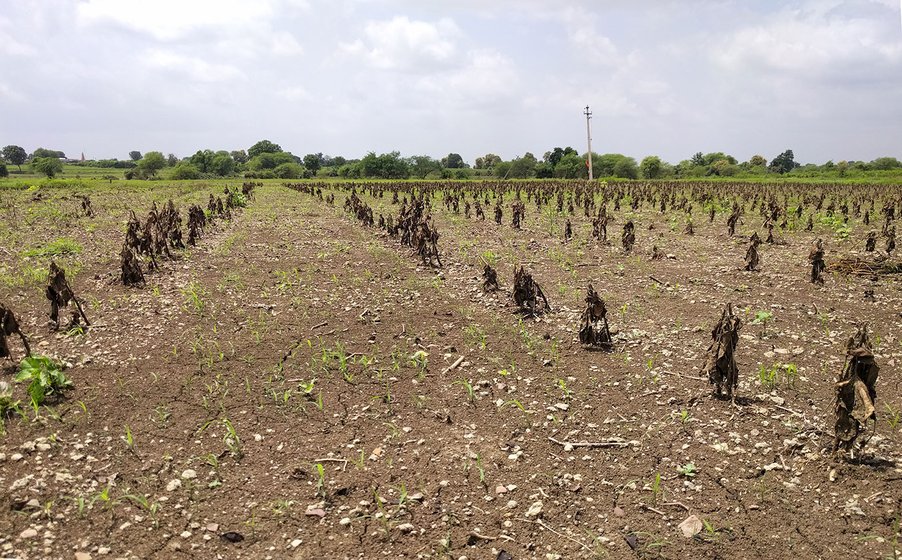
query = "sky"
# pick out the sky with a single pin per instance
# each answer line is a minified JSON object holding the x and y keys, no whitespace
{"x":428,"y":77}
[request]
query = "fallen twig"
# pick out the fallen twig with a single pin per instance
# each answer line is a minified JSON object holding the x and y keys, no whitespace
{"x":544,"y":525}
{"x":619,"y":442}
{"x":453,"y":366}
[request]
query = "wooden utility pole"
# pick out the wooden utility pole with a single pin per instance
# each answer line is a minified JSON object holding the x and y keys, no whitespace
{"x":588,"y":114}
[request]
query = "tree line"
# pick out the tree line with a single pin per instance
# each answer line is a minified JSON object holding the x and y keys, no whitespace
{"x":267,"y":160}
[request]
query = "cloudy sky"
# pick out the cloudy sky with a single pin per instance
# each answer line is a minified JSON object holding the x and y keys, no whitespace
{"x":345,"y":77}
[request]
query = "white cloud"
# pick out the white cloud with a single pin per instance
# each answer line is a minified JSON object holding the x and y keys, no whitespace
{"x":809,"y":45}
{"x":9,"y":93}
{"x":167,"y":20}
{"x":190,"y":68}
{"x":405,"y":44}
{"x":284,"y":44}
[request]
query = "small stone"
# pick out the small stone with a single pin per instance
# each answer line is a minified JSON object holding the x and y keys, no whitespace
{"x":296,"y":543}
{"x":345,"y":521}
{"x":691,"y":526}
{"x":185,"y":534}
{"x":189,"y":474}
{"x":535,"y":510}
{"x":28,"y":534}
{"x":82,"y":556}
{"x":173,"y":485}
{"x":213,"y":527}
{"x":103,"y":550}
{"x":406,"y":528}
{"x":501,"y":489}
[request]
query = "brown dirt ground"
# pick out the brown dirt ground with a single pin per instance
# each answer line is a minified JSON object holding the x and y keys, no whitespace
{"x":413,"y":465}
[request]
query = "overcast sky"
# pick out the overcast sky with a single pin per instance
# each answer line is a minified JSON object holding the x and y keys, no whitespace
{"x":345,"y":77}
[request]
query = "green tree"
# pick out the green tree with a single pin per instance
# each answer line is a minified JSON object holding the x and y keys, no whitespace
{"x":554,"y":156}
{"x":151,"y":163}
{"x":49,"y":166}
{"x":313,"y":162}
{"x":384,"y":166}
{"x":488,"y":161}
{"x":626,"y":168}
{"x":710,"y":158}
{"x":453,"y":161}
{"x":222,"y":164}
{"x":652,"y":167}
{"x":884,"y":163}
{"x":757,"y":161}
{"x":523,"y":167}
{"x":784,"y":163}
{"x":45,"y":153}
{"x":423,"y":166}
{"x":544,"y":170}
{"x":724,"y":168}
{"x":4,"y":172}
{"x":15,"y":155}
{"x":570,"y":166}
{"x":263,"y":147}
{"x":203,"y":160}
{"x":184,"y":170}
{"x":269,"y":160}
{"x":240,"y":156}
{"x":135,"y":155}
{"x":171,"y":160}
{"x":290,"y":170}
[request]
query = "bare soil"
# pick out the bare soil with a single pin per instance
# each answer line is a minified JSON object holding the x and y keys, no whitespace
{"x":446,"y":423}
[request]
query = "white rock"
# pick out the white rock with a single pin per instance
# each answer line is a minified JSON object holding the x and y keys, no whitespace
{"x":28,"y":534}
{"x":173,"y":485}
{"x":188,"y":474}
{"x":535,"y":510}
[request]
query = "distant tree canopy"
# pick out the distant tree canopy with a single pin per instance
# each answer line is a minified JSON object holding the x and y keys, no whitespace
{"x":784,"y":163}
{"x":45,"y":153}
{"x":488,"y":161}
{"x":184,"y":170}
{"x":49,"y":166}
{"x":15,"y":155}
{"x":4,"y":172}
{"x":151,"y":163}
{"x":651,"y":167}
{"x":135,"y":155}
{"x":263,"y":147}
{"x":757,"y":161}
{"x":453,"y":161}
{"x":384,"y":166}
{"x":314,"y":162}
{"x":425,"y":167}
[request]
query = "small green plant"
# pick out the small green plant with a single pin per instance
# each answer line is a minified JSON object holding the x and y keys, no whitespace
{"x":475,"y":336}
{"x":320,"y":473}
{"x":893,"y":415}
{"x":468,"y":387}
{"x":683,"y":416}
{"x":561,"y":384}
{"x":770,"y":377}
{"x":129,"y":440}
{"x":56,"y":248}
{"x":420,"y":359}
{"x":45,"y":378}
{"x":656,"y":490}
{"x":194,"y":297}
{"x":688,"y":470}
{"x":231,"y":439}
{"x":8,"y":405}
{"x":763,"y":318}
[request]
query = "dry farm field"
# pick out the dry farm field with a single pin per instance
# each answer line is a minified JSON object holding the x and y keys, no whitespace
{"x":329,"y":370}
